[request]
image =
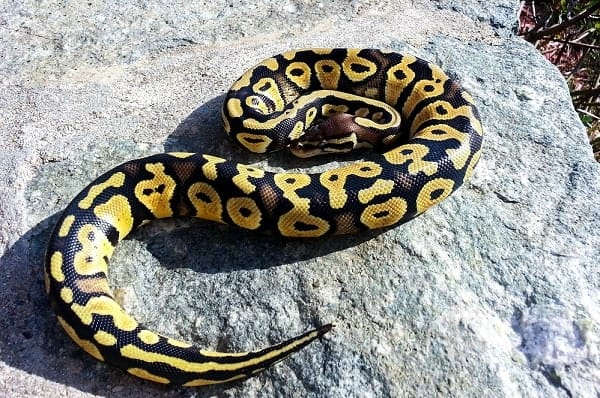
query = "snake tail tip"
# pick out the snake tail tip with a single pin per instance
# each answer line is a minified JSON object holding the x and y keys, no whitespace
{"x":325,"y":328}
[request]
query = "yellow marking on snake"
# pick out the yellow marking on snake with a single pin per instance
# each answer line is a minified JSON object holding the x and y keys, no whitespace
{"x":433,"y":193}
{"x":148,"y":337}
{"x":414,"y":155}
{"x":244,"y":212}
{"x":209,"y":169}
{"x":379,"y":187}
{"x":299,"y":73}
{"x":297,"y":131}
{"x":114,"y":181}
{"x":328,"y":73}
{"x":206,"y":382}
{"x":268,"y":87}
{"x":476,"y":123}
{"x":104,"y":306}
{"x":223,"y":354}
{"x":289,"y":55}
{"x":234,"y":106}
{"x":245,"y":79}
{"x":181,"y":155}
{"x":178,"y":343}
{"x":117,"y":212}
{"x":397,"y":79}
{"x":156,"y":193}
{"x":131,"y":351}
{"x":439,"y":110}
{"x":298,"y":221}
{"x":358,"y":68}
{"x":242,"y":180}
{"x":105,"y":338}
{"x":472,"y":164}
{"x":66,"y":226}
{"x":384,"y":214}
{"x":87,"y":345}
{"x":257,"y":143}
{"x":427,"y":137}
{"x":257,"y":103}
{"x":458,"y":156}
{"x":311,"y":114}
{"x":206,"y":201}
{"x":330,"y":110}
{"x":144,"y":374}
{"x":66,"y":294}
{"x":425,"y":89}
{"x":335,"y":180}
{"x":95,"y":249}
{"x":56,"y":263}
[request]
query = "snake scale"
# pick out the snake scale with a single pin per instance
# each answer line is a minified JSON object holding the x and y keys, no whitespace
{"x":425,"y":135}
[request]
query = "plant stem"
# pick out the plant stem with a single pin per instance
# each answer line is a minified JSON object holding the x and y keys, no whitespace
{"x":536,"y":35}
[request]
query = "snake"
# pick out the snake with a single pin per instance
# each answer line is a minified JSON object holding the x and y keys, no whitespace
{"x":418,"y":137}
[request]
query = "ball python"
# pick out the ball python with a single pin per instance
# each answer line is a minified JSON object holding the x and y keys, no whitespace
{"x":425,"y":137}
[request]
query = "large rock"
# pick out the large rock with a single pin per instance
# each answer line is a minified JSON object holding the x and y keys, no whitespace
{"x":495,"y":292}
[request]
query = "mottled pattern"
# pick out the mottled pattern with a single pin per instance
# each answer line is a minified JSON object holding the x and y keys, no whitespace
{"x":425,"y":125}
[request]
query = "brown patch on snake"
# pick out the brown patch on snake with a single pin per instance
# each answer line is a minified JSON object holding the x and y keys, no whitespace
{"x":288,"y":92}
{"x":184,"y":169}
{"x":345,"y":223}
{"x":132,"y":168}
{"x":404,"y":182}
{"x":269,"y":197}
{"x":383,"y":63}
{"x":93,"y":285}
{"x":454,"y":91}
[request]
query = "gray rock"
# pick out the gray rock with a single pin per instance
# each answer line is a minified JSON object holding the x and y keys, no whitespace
{"x":495,"y":292}
{"x":501,"y":15}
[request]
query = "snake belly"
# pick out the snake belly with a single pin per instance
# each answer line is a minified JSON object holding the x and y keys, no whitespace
{"x":271,"y":105}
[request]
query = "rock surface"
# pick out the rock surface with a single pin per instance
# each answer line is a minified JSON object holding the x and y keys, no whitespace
{"x":495,"y":292}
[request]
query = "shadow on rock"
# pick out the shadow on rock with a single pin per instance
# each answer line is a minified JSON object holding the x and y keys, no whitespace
{"x":33,"y":341}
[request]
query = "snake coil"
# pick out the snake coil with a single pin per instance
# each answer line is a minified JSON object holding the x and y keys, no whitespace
{"x":426,"y":135}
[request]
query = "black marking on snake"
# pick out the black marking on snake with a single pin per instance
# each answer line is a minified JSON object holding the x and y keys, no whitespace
{"x":412,"y":173}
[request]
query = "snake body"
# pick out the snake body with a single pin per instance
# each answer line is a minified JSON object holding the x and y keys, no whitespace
{"x":426,"y":136}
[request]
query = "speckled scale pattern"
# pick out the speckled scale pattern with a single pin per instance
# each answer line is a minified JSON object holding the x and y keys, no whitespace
{"x":269,"y":107}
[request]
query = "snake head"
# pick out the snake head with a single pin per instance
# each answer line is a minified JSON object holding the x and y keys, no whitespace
{"x":339,"y":133}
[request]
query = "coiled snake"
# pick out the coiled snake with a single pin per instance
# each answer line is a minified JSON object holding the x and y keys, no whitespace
{"x":426,"y":136}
